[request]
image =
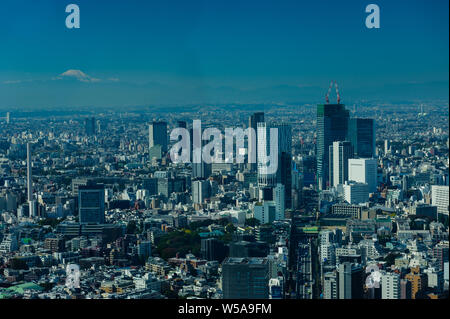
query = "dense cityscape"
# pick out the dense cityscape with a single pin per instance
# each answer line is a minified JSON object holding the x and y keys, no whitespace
{"x":357,"y":208}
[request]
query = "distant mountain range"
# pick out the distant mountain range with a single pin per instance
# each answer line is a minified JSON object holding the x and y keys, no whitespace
{"x":80,"y":90}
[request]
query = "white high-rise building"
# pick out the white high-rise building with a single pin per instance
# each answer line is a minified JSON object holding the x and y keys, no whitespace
{"x":363,"y":170}
{"x":390,"y":286}
{"x":340,"y":152}
{"x":200,"y":191}
{"x":356,"y":193}
{"x":330,"y":286}
{"x":439,"y":198}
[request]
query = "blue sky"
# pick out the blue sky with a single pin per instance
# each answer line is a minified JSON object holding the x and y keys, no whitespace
{"x":173,"y":52}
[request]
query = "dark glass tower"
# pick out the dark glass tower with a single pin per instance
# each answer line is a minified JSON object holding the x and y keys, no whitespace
{"x":158,"y":135}
{"x":332,"y":125}
{"x":91,"y":204}
{"x":245,"y":278}
{"x":361,"y":133}
{"x":89,"y":126}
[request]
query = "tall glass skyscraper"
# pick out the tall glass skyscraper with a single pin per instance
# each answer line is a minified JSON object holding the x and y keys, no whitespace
{"x":361,"y":133}
{"x":158,"y":135}
{"x":91,"y":204}
{"x":340,"y":153}
{"x":332,"y":125}
{"x":89,"y":126}
{"x":283,"y":173}
{"x":253,"y":121}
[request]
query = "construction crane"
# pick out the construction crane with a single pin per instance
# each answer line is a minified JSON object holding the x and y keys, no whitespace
{"x":337,"y":93}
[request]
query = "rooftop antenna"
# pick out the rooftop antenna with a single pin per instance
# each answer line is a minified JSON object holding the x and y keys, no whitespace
{"x":327,"y":97}
{"x":337,"y":93}
{"x":328,"y":93}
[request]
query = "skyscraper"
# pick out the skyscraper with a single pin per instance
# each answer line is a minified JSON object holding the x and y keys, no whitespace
{"x":390,"y":286}
{"x":91,"y":204}
{"x":279,"y":194}
{"x":330,"y":289}
{"x":363,"y":170}
{"x":439,"y":198}
{"x":89,"y":125}
{"x":340,"y":152}
{"x":202,"y":169}
{"x":332,"y":124}
{"x":182,"y":124}
{"x":158,"y":135}
{"x":200,"y":191}
{"x":245,"y":278}
{"x":283,"y":172}
{"x":361,"y":134}
{"x":356,"y":193}
{"x":31,"y":202}
{"x":350,"y":281}
{"x":253,"y":121}
{"x":29,"y":174}
{"x":212,"y":249}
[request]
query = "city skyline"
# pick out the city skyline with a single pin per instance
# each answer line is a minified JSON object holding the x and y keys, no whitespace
{"x":172,"y":150}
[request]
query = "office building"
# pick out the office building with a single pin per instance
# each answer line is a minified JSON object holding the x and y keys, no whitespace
{"x":245,"y":278}
{"x":363,"y":170}
{"x":424,"y":210}
{"x":212,"y":249}
{"x":254,"y":119}
{"x":330,"y":286}
{"x":346,"y":210}
{"x":340,"y":153}
{"x":390,"y":286}
{"x":405,"y":289}
{"x":279,"y":198}
{"x":265,"y":212}
{"x":361,"y":134}
{"x":350,"y":281}
{"x":441,"y":253}
{"x":91,"y":204}
{"x":356,"y":193}
{"x":89,"y":126}
{"x":282,"y":173}
{"x":29,"y":174}
{"x":158,"y":135}
{"x":244,"y":249}
{"x":332,"y":124}
{"x":418,"y":281}
{"x":144,"y":249}
{"x":182,"y":124}
{"x":201,"y":170}
{"x":54,"y":244}
{"x":435,"y":279}
{"x":200,"y":191}
{"x":439,"y":198}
